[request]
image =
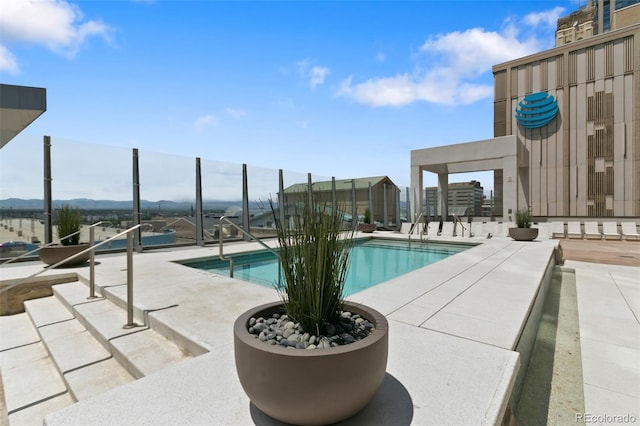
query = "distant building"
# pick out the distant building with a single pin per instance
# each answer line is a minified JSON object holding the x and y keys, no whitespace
{"x":464,"y":199}
{"x":384,"y":196}
{"x":598,"y":17}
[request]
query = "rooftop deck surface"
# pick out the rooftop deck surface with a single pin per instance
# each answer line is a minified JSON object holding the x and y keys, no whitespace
{"x":454,"y":326}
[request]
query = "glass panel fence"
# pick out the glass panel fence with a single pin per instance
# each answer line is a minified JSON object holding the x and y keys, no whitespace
{"x":99,"y":180}
{"x":21,"y":207}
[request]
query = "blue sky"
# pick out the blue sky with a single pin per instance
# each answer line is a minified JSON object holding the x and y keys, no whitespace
{"x":335,"y":88}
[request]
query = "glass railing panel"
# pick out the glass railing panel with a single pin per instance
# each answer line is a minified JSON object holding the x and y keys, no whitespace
{"x":263,"y":186}
{"x":96,"y":179}
{"x":221,"y":196}
{"x":167,"y":198}
{"x":21,"y":187}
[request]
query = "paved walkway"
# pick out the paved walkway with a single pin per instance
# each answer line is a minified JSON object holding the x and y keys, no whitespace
{"x":609,"y":312}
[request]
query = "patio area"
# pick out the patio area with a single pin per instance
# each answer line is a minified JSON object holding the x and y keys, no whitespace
{"x":461,"y":331}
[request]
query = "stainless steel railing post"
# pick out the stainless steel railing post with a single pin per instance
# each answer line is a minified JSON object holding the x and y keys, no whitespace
{"x":130,"y":323}
{"x":92,"y":264}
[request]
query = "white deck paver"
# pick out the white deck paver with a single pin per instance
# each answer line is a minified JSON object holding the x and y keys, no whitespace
{"x":434,"y":376}
{"x":608,"y":307}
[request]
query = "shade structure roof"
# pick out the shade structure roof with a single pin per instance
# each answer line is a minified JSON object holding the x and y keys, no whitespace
{"x":19,"y":107}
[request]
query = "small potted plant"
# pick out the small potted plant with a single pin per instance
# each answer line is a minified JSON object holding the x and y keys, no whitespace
{"x":68,"y":222}
{"x":367,"y":226}
{"x":297,"y":359}
{"x":523,"y":231}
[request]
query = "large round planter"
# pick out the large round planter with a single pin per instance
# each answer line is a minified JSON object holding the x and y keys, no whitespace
{"x":56,"y":253}
{"x":367,"y":227}
{"x":523,"y":234}
{"x":315,"y":386}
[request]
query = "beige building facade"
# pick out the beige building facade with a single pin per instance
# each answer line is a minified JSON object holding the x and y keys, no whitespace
{"x":586,"y":161}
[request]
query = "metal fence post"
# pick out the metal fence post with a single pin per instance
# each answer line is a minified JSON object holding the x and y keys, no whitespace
{"x":130,"y":322}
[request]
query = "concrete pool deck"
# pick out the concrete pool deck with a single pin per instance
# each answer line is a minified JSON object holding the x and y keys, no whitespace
{"x":454,"y":328}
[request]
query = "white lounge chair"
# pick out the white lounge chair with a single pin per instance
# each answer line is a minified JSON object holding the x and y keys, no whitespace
{"x":405,"y":227}
{"x":543,"y":230}
{"x":591,"y":230}
{"x":447,"y":229}
{"x":610,"y":231}
{"x":491,"y":228}
{"x":504,"y":232}
{"x":557,"y":230}
{"x":630,"y":231}
{"x":573,"y":230}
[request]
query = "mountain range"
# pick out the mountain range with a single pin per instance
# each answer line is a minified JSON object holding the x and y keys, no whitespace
{"x":89,"y":204}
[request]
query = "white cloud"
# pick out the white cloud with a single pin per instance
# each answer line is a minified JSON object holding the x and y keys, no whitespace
{"x":55,"y":24}
{"x":548,"y":17}
{"x":454,"y":63}
{"x":315,"y":74}
{"x":8,"y":61}
{"x":205,"y":121}
{"x":236,"y":113}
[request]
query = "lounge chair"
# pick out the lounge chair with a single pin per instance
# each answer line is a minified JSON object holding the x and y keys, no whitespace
{"x":447,"y":229}
{"x":591,"y":230}
{"x":491,"y":229}
{"x":573,"y":230}
{"x":630,"y":231}
{"x":557,"y":230}
{"x":406,"y":227}
{"x":543,"y":229}
{"x":610,"y":231}
{"x":504,"y":232}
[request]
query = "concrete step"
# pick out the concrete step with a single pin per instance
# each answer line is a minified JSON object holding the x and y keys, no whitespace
{"x":85,"y":366}
{"x":31,"y":384}
{"x":141,"y":350}
{"x":67,"y":348}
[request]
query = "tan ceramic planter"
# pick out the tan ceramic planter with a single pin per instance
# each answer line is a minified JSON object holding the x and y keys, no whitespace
{"x":311,"y":387}
{"x":523,"y":234}
{"x":54,"y":254}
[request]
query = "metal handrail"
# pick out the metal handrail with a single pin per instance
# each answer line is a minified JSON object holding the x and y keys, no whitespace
{"x":415,"y":225}
{"x":128,"y":232}
{"x":13,"y":259}
{"x":248,"y":234}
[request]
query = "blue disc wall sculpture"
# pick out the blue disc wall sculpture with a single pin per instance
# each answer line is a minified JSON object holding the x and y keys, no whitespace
{"x":536,"y":110}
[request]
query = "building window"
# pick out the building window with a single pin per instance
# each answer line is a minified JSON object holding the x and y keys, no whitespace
{"x":590,"y":64}
{"x":628,"y":54}
{"x":573,"y":69}
{"x":608,"y":59}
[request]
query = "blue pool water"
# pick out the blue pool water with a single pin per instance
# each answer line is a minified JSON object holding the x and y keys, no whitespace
{"x":372,"y":262}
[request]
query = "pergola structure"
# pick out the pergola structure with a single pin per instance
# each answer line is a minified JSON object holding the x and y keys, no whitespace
{"x":19,"y":107}
{"x":506,"y":156}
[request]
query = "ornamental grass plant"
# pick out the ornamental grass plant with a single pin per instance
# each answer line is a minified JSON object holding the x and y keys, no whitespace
{"x":315,"y":255}
{"x":523,"y":219}
{"x":68,"y":221}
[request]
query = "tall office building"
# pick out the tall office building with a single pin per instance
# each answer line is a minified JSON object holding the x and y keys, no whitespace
{"x":597,"y":17}
{"x":576,"y":108}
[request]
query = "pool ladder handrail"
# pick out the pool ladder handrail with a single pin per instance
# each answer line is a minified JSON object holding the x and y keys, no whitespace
{"x":248,"y":234}
{"x":415,"y":226}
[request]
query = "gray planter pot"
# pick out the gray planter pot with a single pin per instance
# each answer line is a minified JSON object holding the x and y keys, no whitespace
{"x":523,"y":234}
{"x":367,"y":227}
{"x":311,"y":387}
{"x":54,"y":254}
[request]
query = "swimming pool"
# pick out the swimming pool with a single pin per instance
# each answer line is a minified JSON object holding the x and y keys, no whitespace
{"x":372,"y":262}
